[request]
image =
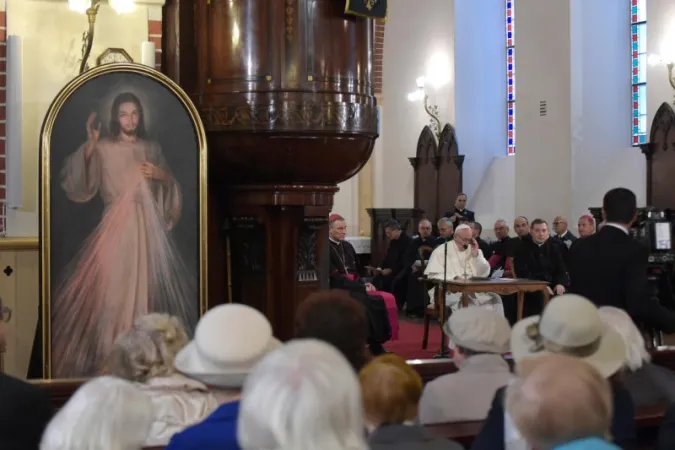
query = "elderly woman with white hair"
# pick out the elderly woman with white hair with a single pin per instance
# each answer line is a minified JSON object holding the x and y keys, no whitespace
{"x":303,"y":396}
{"x":145,"y":354}
{"x":106,"y":413}
{"x":570,"y":325}
{"x":647,"y":383}
{"x":561,"y":402}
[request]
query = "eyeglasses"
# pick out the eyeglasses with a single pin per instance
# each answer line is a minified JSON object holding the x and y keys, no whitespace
{"x":5,"y":314}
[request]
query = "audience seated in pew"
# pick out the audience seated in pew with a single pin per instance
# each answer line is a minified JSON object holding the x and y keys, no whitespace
{"x":145,"y":354}
{"x":229,"y":341}
{"x":302,"y":396}
{"x":337,"y":319}
{"x":560,"y":403}
{"x":478,"y":338}
{"x":647,"y":383}
{"x":569,"y":325}
{"x":105,"y":413}
{"x":25,"y":409}
{"x":391,"y":392}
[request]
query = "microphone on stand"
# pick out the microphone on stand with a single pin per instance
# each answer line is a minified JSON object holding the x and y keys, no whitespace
{"x":466,"y":261}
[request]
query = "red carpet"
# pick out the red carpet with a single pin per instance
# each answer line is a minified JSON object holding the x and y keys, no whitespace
{"x":409,"y":343}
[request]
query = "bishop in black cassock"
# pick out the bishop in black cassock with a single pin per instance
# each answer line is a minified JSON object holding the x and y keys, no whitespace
{"x":343,"y":275}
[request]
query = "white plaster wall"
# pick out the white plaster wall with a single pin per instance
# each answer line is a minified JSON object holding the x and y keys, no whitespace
{"x":346,"y":203}
{"x":543,"y":156}
{"x":602,"y":155}
{"x":495,"y":198}
{"x":52,"y":39}
{"x":415,"y":38}
{"x":480,"y":90}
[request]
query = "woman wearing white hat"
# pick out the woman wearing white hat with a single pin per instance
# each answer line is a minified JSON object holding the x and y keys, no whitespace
{"x":229,"y":341}
{"x":478,"y":337}
{"x":569,"y":325}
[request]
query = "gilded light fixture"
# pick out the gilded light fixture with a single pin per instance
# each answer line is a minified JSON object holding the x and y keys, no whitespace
{"x":90,"y":8}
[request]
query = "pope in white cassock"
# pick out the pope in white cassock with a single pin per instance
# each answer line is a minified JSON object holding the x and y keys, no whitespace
{"x":464,"y":259}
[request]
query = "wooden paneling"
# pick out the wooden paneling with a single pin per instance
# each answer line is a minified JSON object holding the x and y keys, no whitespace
{"x":19,"y":289}
{"x":438,"y":172}
{"x":660,"y":154}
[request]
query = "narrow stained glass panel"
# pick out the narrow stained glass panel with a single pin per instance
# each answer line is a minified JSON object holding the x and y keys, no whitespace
{"x":638,"y":37}
{"x":510,"y":78}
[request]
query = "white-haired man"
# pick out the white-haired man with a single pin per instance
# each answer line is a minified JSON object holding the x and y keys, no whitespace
{"x":464,"y":261}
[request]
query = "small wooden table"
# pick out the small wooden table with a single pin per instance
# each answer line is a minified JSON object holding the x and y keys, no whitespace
{"x":501,"y":286}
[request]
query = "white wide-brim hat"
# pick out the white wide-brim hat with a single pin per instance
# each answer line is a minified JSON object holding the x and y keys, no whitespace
{"x":229,"y":341}
{"x":479,"y":329}
{"x":570,"y":325}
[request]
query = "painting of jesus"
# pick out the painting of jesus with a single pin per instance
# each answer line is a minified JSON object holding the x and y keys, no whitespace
{"x":121,"y":243}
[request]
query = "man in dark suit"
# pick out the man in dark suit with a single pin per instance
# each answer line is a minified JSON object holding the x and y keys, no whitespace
{"x":460,"y":214}
{"x":610,"y":267}
{"x":25,"y":409}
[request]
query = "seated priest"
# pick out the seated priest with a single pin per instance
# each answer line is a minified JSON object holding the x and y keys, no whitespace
{"x":586,"y":225}
{"x":460,"y":214}
{"x":462,"y":260}
{"x":522,"y":227}
{"x":503,"y":248}
{"x":380,"y":307}
{"x":446,"y":230}
{"x":417,"y":256}
{"x":391,"y":275}
{"x":562,"y":231}
{"x":484,"y":247}
{"x":541,"y":258}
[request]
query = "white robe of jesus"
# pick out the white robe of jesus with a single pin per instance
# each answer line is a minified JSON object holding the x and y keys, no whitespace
{"x":461,"y":263}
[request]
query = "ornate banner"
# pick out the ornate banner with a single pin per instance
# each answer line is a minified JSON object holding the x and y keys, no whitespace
{"x":372,"y":9}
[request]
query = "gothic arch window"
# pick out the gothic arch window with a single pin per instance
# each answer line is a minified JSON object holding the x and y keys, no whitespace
{"x":638,"y":34}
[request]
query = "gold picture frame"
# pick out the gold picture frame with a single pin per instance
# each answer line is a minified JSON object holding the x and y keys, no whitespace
{"x":64,"y":104}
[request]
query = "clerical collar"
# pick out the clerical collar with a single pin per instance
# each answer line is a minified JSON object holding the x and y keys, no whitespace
{"x":333,"y":240}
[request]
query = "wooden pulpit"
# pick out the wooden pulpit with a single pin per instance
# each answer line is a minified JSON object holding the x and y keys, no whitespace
{"x":285,"y":91}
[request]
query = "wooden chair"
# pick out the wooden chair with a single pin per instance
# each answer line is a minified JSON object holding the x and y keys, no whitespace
{"x":430,"y":313}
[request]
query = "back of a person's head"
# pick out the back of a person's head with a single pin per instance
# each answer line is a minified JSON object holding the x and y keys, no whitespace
{"x":148,"y":349}
{"x":169,"y":328}
{"x":619,"y":205}
{"x":334,"y":317}
{"x":621,"y":322}
{"x":391,"y":390}
{"x":106,"y":413}
{"x":558,"y":399}
{"x":302,"y":396}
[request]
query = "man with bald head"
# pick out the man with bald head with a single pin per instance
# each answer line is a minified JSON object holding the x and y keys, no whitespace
{"x":562,"y":232}
{"x":464,"y":261}
{"x":503,"y":248}
{"x":522,"y":227}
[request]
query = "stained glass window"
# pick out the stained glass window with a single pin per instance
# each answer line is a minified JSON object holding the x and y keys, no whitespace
{"x":510,"y":80}
{"x":638,"y":34}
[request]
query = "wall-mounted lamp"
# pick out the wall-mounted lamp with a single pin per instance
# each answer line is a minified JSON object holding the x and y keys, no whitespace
{"x":655,"y":60}
{"x":431,"y":110}
{"x":90,"y":8}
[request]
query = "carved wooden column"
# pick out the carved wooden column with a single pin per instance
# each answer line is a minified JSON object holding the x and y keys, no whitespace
{"x":284,"y":89}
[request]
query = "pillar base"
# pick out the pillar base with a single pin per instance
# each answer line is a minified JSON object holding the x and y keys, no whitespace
{"x":278,"y":248}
